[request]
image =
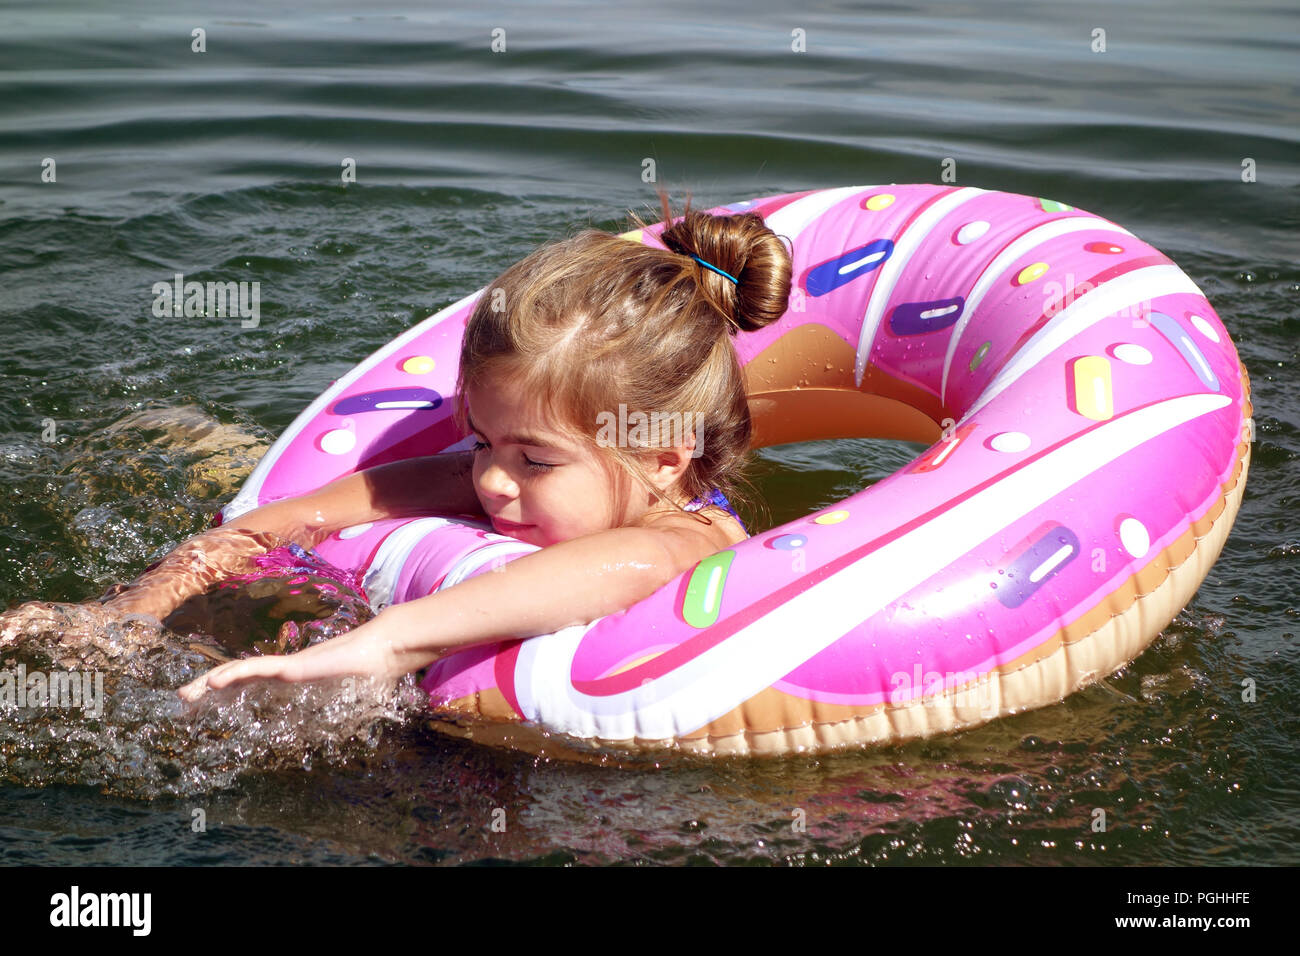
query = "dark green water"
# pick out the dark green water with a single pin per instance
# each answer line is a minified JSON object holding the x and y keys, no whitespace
{"x":226,"y":165}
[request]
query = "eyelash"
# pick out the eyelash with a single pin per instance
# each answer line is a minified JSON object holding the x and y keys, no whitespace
{"x":532,"y":465}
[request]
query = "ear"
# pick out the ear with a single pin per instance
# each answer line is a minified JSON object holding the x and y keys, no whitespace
{"x":670,"y":463}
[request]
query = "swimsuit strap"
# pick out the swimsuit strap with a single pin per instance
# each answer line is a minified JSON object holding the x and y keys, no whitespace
{"x":716,"y":497}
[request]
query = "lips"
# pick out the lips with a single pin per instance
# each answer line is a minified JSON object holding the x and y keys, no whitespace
{"x":508,"y":527}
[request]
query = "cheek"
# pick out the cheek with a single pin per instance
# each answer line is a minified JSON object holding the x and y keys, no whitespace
{"x":563,"y":510}
{"x":570,"y":513}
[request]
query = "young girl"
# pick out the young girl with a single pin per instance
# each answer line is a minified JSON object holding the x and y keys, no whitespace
{"x":581,"y":327}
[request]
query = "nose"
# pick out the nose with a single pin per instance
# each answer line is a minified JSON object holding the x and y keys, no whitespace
{"x":495,"y":483}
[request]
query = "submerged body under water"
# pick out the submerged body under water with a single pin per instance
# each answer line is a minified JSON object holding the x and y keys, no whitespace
{"x":294,"y":599}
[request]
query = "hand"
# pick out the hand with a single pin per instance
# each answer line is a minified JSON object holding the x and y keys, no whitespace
{"x":45,"y":617}
{"x":365,"y":651}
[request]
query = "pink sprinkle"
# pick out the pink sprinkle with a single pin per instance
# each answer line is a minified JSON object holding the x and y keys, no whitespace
{"x":298,"y":580}
{"x":295,"y":591}
{"x":328,"y":587}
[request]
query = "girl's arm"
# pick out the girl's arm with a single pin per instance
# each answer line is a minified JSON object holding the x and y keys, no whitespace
{"x":435,"y":484}
{"x":573,"y":582}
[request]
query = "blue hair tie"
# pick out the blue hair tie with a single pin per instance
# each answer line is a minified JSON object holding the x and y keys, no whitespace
{"x":709,"y":265}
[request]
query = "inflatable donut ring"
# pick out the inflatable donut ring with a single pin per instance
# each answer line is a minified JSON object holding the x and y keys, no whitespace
{"x":1089,"y":430}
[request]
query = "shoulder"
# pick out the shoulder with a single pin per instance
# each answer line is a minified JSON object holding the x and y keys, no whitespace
{"x":726,"y":527}
{"x":692,"y":539}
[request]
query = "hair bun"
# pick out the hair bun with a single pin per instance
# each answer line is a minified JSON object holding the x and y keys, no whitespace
{"x":740,"y":244}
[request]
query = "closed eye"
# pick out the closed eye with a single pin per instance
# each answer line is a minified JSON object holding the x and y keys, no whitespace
{"x":532,"y":465}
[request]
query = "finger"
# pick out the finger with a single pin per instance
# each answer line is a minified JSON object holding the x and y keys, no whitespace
{"x":273,"y":667}
{"x":194,"y":689}
{"x":215,"y":679}
{"x":205,"y":682}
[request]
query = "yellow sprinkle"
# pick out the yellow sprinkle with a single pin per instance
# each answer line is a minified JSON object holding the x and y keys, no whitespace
{"x":831,"y":517}
{"x":418,"y":365}
{"x":1092,"y":388}
{"x":1031,"y":272}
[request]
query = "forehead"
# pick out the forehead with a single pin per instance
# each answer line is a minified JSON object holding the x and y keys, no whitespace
{"x":511,"y":418}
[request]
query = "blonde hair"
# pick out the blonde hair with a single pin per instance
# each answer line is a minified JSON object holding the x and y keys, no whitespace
{"x":586,"y":324}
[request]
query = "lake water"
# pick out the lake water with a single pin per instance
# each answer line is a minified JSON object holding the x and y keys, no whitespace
{"x":226,"y":164}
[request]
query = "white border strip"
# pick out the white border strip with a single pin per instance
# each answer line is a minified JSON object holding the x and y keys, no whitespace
{"x":904,"y":248}
{"x":993,"y":272}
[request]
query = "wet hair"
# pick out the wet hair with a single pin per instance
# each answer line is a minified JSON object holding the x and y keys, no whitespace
{"x":585,"y":324}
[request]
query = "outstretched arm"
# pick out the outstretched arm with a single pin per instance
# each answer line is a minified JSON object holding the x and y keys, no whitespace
{"x":434,"y":484}
{"x":573,"y":582}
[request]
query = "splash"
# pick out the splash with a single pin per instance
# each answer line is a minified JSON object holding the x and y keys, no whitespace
{"x":294,"y":598}
{"x":144,"y":741}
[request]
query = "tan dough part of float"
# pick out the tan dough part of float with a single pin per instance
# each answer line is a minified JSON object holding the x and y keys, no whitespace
{"x":801,"y":389}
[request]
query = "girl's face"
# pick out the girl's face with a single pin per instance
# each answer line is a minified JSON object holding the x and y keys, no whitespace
{"x":537,"y":484}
